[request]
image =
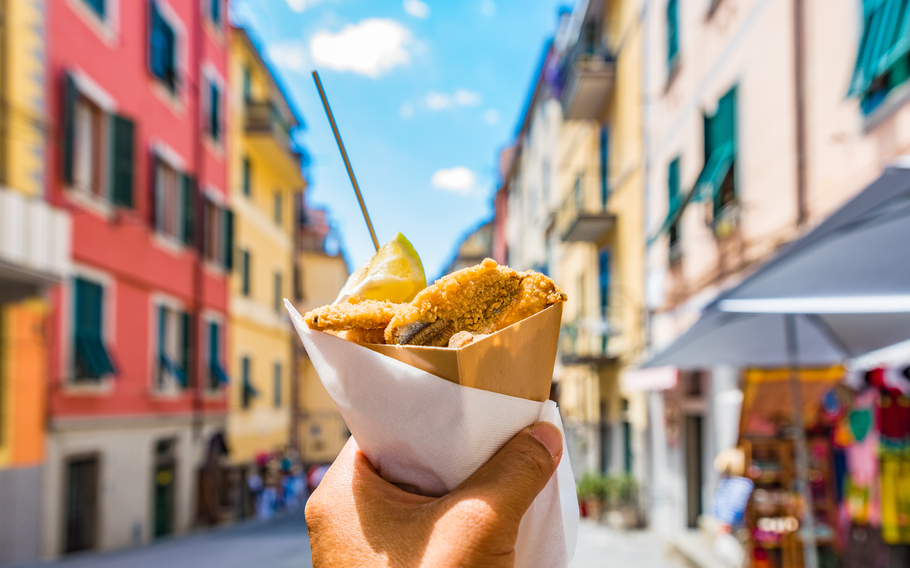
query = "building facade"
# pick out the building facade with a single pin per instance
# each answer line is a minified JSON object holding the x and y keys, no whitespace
{"x":320,"y":271}
{"x":570,"y":205}
{"x":138,"y":154}
{"x":765,"y":116}
{"x":266,"y":175}
{"x":34,"y":255}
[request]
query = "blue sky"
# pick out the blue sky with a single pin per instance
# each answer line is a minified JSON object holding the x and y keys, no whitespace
{"x":425,"y":95}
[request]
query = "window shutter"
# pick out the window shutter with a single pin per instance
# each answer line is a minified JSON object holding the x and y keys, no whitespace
{"x":156,"y":214}
{"x":673,"y":181}
{"x":122,"y":161}
{"x":214,"y":111}
{"x":70,"y":93}
{"x":156,"y":41}
{"x":278,"y":292}
{"x":188,"y":225}
{"x":228,"y":239}
{"x":185,"y":336}
{"x":162,"y":331}
{"x":246,"y":272}
{"x":246,"y":176}
{"x":214,"y":348}
{"x":672,"y":31}
{"x":723,"y":123}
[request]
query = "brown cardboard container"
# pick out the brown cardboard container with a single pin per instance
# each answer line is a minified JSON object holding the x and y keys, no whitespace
{"x":516,"y":361}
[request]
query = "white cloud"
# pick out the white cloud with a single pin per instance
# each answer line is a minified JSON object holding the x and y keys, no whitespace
{"x":371,"y":47}
{"x":465,"y":97}
{"x":438,"y":101}
{"x":491,"y":116}
{"x":458,"y":179}
{"x":442,"y":101}
{"x":406,"y":111}
{"x":301,"y":5}
{"x":290,"y":55}
{"x":416,"y":8}
{"x":487,"y":8}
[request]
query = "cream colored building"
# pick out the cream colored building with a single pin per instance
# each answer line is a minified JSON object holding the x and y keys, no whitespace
{"x":574,"y":210}
{"x":769,"y":123}
{"x":265,"y":177}
{"x":320,"y":273}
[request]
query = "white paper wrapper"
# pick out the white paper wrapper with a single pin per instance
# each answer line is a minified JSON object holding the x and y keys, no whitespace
{"x":423,"y":431}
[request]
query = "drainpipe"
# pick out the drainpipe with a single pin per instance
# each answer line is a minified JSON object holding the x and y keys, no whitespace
{"x":799,"y":91}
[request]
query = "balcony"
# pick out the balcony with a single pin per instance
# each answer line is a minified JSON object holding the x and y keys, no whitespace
{"x":583,"y":216}
{"x":270,"y":137}
{"x":588,"y":75}
{"x":586,"y":342}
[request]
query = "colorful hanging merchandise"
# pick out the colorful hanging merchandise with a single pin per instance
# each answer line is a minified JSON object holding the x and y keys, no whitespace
{"x":861,"y":491}
{"x":894,"y":424}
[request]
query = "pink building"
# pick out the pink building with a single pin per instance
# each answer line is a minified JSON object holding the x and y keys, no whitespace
{"x":138,"y":155}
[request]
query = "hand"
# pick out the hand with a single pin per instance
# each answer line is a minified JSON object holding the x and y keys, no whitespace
{"x":357,"y":519}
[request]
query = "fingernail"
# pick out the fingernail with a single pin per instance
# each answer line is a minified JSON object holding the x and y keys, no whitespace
{"x":549,"y":436}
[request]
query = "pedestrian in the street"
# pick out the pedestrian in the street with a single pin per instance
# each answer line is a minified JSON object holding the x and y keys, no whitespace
{"x":357,"y":519}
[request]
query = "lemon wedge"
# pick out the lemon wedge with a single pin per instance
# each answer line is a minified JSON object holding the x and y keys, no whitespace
{"x":395,"y":273}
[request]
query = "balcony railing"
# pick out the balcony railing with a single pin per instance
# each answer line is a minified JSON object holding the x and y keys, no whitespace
{"x":262,"y":118}
{"x":583,"y":215}
{"x":586,"y":342}
{"x":587,"y":74}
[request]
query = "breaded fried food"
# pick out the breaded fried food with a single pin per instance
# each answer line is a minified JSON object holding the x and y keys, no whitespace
{"x":375,"y":336}
{"x":353,"y":314}
{"x":479,"y":299}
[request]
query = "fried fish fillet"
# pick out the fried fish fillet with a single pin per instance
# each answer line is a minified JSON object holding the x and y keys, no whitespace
{"x":479,"y":299}
{"x":353,"y":314}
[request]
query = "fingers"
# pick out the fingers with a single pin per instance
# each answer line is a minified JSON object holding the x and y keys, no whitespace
{"x":511,"y":480}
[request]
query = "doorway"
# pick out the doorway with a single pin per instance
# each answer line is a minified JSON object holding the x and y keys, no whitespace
{"x":81,"y":503}
{"x":694,"y":474}
{"x":164,"y":495}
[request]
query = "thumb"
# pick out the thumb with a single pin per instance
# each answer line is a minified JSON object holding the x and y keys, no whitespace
{"x":511,"y":480}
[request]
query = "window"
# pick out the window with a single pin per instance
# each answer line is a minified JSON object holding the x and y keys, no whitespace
{"x":213,"y":120}
{"x":604,"y":166}
{"x":882,"y":61}
{"x":277,"y":381}
{"x":246,"y":174}
{"x":245,"y":273}
{"x":298,"y":282}
{"x":97,"y":148}
{"x":674,"y":204}
{"x":217,"y":376}
{"x":278,"y":293}
{"x":603,"y":265}
{"x":162,"y":47}
{"x":717,"y":179}
{"x":278,"y":207}
{"x":218,"y":223}
{"x":247,"y":391}
{"x":99,"y":7}
{"x":92,"y":359}
{"x":672,"y":34}
{"x":173,"y":347}
{"x":215,"y":12}
{"x":247,"y":83}
{"x":175,"y":202}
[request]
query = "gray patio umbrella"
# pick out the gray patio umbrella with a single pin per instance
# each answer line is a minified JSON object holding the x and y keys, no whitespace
{"x":840,"y":291}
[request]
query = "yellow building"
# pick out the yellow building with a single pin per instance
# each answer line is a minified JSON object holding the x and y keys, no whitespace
{"x":573,"y":196}
{"x":318,"y":277}
{"x":265,"y":176}
{"x":34,"y":254}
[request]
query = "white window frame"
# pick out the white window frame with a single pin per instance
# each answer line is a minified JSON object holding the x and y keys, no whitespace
{"x":71,"y":383}
{"x":108,"y":27}
{"x":181,"y":53}
{"x":170,"y":387}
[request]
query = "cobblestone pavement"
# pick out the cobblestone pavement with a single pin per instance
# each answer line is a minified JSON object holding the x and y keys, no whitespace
{"x":278,"y":543}
{"x":602,"y":547}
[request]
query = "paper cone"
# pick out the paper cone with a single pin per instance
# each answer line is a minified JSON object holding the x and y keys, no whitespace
{"x":429,"y":434}
{"x":516,"y":361}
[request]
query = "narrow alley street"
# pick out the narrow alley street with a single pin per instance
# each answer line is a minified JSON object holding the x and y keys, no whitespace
{"x":602,"y":547}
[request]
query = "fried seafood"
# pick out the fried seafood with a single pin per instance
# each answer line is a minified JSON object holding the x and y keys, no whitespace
{"x":353,"y":314}
{"x":480,"y":299}
{"x":376,"y":335}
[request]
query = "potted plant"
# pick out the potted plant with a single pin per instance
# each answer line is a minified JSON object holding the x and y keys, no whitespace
{"x":590,"y":494}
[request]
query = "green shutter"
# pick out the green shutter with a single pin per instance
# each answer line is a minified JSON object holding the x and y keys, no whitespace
{"x":91,"y":356}
{"x":246,"y":272}
{"x":246,"y":176}
{"x":214,"y":111}
{"x":185,"y":336}
{"x":122,"y":160}
{"x":885,"y":42}
{"x":228,"y":239}
{"x":278,"y":292}
{"x":244,"y":383}
{"x":672,"y":32}
{"x":247,"y":83}
{"x":70,"y":94}
{"x":188,"y":224}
